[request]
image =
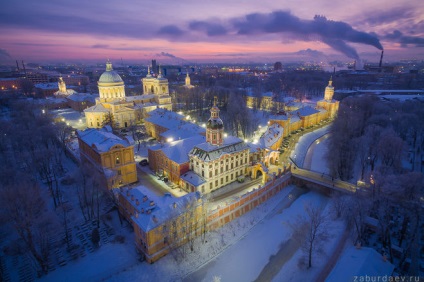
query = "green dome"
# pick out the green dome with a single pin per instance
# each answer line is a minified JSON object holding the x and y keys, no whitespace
{"x":110,"y":77}
{"x":215,"y":123}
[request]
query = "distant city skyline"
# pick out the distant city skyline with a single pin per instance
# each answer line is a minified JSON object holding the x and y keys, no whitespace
{"x":192,"y":31}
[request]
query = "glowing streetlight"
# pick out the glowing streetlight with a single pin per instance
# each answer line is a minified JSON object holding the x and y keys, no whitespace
{"x":170,"y":139}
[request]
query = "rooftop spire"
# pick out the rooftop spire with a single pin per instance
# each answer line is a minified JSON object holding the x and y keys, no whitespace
{"x":148,"y":71}
{"x":108,"y":65}
{"x":330,"y":82}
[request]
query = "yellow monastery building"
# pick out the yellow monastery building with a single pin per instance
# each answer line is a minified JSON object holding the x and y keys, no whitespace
{"x":125,"y":111}
{"x":161,"y":223}
{"x":109,"y":154}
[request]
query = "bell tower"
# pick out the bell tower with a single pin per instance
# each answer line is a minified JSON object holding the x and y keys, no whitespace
{"x":187,"y":80}
{"x":329,"y":90}
{"x":62,"y":85}
{"x":215,"y":126}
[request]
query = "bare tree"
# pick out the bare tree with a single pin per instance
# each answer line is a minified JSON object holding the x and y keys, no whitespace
{"x":23,"y":206}
{"x":310,"y":231}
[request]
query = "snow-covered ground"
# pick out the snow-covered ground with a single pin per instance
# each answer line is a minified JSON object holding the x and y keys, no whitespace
{"x":237,"y":252}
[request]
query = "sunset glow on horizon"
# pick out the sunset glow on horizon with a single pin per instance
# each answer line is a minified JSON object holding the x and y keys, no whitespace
{"x":201,"y":31}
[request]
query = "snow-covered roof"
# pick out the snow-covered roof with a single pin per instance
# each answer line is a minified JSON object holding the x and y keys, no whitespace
{"x":68,"y":92}
{"x":272,"y":135}
{"x":178,"y":151}
{"x":360,"y":262}
{"x":80,"y":97}
{"x":186,"y":130}
{"x":152,"y":210}
{"x":97,"y":108}
{"x":100,"y":139}
{"x":45,"y":86}
{"x":278,"y":117}
{"x":305,"y":111}
{"x":139,"y":97}
{"x":209,"y":152}
{"x":165,"y":118}
{"x":193,"y":178}
{"x":146,"y":105}
{"x":255,"y":147}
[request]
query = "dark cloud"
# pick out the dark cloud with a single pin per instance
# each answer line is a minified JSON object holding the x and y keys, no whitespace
{"x":170,"y":30}
{"x":404,"y":40}
{"x":310,"y":53}
{"x":333,"y":33}
{"x":166,"y":55}
{"x":76,"y":24}
{"x":211,"y":29}
{"x":4,"y":53}
{"x":100,"y":46}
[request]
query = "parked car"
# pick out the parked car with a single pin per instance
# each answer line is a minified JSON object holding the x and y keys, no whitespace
{"x":143,"y":162}
{"x":240,"y":179}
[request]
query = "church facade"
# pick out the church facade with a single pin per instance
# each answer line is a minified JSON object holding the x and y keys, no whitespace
{"x":115,"y":108}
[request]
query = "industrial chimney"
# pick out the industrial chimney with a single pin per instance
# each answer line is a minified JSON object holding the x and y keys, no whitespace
{"x":381,"y":60}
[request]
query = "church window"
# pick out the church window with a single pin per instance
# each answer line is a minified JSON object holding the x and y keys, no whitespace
{"x":117,"y":161}
{"x":210,"y":186}
{"x":98,"y":123}
{"x":119,"y":172}
{"x":210,"y":173}
{"x":222,"y":169}
{"x":216,"y":171}
{"x":203,"y":173}
{"x":216,"y":183}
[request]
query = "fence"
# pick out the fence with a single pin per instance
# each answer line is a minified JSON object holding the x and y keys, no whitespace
{"x":247,"y":202}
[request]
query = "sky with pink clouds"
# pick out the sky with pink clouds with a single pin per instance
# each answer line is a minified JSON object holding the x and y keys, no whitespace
{"x":197,"y":31}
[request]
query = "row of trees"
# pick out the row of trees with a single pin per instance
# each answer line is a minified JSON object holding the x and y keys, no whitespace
{"x":35,"y":204}
{"x":370,"y":140}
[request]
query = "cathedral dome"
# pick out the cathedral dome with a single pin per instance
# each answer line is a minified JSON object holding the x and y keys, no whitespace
{"x":215,"y":123}
{"x":110,"y":76}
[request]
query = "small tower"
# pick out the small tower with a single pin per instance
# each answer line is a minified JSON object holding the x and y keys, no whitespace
{"x":187,"y":80}
{"x":108,"y":65}
{"x":62,"y":86}
{"x":329,"y":90}
{"x":148,"y":72}
{"x":214,"y":126}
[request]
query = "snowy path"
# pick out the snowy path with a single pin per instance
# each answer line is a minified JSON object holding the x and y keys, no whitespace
{"x":276,"y":262}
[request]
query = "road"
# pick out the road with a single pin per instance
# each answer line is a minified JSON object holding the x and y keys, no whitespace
{"x":307,"y":163}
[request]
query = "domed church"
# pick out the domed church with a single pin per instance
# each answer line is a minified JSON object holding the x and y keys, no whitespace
{"x":115,"y":108}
